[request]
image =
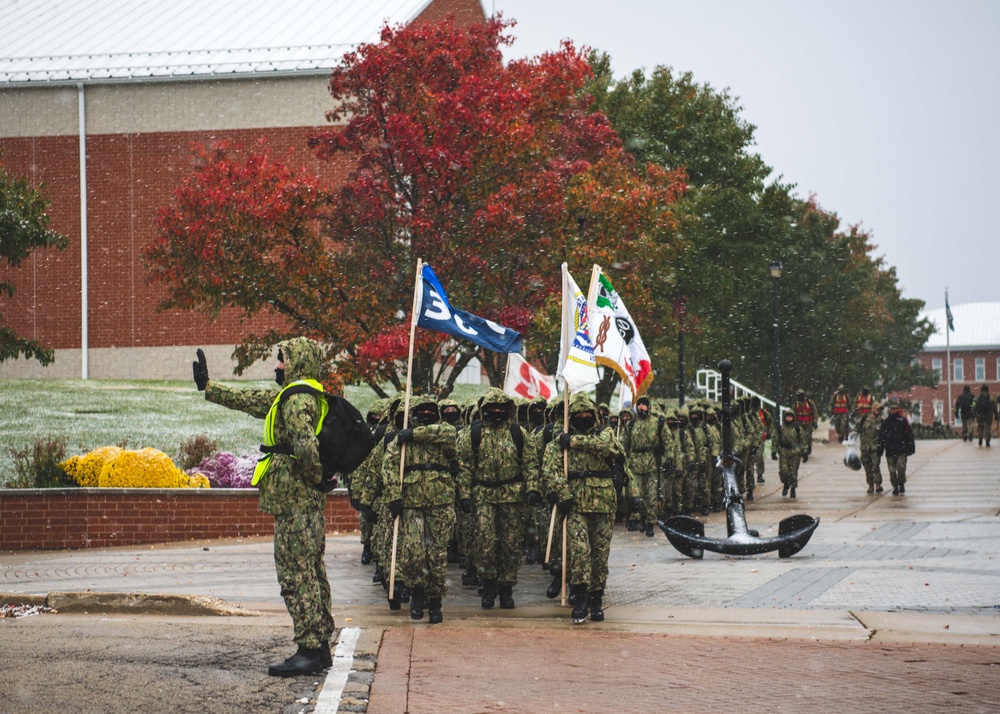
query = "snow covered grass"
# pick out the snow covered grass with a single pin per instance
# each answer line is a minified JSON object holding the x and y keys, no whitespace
{"x":87,"y":414}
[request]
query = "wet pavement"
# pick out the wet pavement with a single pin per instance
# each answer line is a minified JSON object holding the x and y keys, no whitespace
{"x":880,"y":603}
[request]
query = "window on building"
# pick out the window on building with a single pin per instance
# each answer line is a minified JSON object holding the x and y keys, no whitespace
{"x":998,"y":368}
{"x":916,"y":414}
{"x":958,"y":373}
{"x":938,"y":411}
{"x":980,"y":369}
{"x":936,"y":367}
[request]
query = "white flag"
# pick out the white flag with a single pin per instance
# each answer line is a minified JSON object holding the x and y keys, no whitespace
{"x":577,"y":366}
{"x":616,"y":339}
{"x":525,"y":381}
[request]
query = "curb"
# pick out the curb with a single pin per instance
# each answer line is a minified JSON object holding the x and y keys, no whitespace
{"x":135,"y":603}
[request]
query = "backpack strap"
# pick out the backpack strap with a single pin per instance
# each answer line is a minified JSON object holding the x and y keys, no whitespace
{"x":477,"y":438}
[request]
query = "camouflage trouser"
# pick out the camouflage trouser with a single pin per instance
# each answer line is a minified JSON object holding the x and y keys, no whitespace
{"x":985,"y":428}
{"x":704,"y":485}
{"x":689,"y":489}
{"x":746,"y":480}
{"x":806,"y":429}
{"x":423,"y":552}
{"x":758,"y":459}
{"x":589,"y":536}
{"x":529,"y":528}
{"x":499,"y":535}
{"x":871,"y":461}
{"x":466,"y":527}
{"x":968,"y":428}
{"x":841,"y":423}
{"x":788,"y":469}
{"x":716,"y":482}
{"x":541,"y":516}
{"x":366,"y":533}
{"x":299,"y":547}
{"x":649,"y":484}
{"x":897,"y":469}
{"x":382,"y":536}
{"x":555,"y":550}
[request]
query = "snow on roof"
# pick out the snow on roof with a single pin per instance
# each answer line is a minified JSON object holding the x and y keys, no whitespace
{"x":977,"y":325}
{"x":95,"y":40}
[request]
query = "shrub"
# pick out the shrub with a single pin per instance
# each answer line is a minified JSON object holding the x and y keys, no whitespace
{"x":37,"y":466}
{"x":196,"y":449}
{"x":226,"y":470}
{"x":86,"y":469}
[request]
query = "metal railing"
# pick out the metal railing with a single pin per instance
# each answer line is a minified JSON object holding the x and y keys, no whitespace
{"x":709,"y":381}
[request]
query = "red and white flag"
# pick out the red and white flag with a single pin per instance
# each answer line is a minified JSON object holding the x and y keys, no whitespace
{"x":525,"y":381}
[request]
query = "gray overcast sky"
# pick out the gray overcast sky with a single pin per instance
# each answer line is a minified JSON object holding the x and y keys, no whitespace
{"x":886,"y":110}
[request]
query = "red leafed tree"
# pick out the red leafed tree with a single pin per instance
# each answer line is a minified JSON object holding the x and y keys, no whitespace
{"x":493,"y":173}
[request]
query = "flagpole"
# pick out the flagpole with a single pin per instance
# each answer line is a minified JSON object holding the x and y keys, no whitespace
{"x":566,"y":341}
{"x":406,"y":421}
{"x":947,"y":337}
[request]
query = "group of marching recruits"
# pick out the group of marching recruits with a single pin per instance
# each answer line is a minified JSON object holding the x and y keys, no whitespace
{"x":489,"y":484}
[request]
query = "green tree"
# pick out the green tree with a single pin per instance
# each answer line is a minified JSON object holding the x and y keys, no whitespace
{"x":23,"y":229}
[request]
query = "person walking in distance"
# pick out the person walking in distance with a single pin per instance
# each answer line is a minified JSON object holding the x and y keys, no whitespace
{"x":897,"y":442}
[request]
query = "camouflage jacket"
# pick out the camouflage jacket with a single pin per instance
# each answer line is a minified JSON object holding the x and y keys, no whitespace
{"x":499,"y":475}
{"x":646,"y":444}
{"x":791,"y":443}
{"x":868,"y":432}
{"x":289,"y":486}
{"x":427,"y":472}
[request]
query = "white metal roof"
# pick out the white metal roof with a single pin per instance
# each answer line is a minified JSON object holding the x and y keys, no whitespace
{"x":977,"y":325}
{"x":48,"y":41}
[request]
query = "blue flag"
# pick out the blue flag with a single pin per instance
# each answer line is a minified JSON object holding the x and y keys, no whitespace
{"x":947,"y":311}
{"x":434,"y":312}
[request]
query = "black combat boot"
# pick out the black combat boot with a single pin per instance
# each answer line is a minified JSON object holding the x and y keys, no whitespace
{"x":489,"y":594}
{"x":555,"y":587}
{"x":325,"y":657}
{"x":470,"y":578}
{"x":750,"y":495}
{"x":404,"y":593}
{"x":417,"y":604}
{"x":394,"y":601}
{"x":506,"y":593}
{"x":791,"y":494}
{"x":531,"y":554}
{"x":649,"y":530}
{"x":784,"y":490}
{"x":631,"y":525}
{"x":580,"y":608}
{"x":895,"y":490}
{"x":304,"y":661}
{"x":760,"y":479}
{"x":902,"y":488}
{"x":378,"y":577}
{"x":366,"y":554}
{"x":434,"y":615}
{"x":596,"y":603}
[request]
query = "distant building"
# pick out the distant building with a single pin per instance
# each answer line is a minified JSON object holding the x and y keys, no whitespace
{"x":102,"y":101}
{"x":969,"y":356}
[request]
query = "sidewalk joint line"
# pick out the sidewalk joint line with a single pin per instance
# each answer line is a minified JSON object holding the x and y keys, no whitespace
{"x":329,"y":698}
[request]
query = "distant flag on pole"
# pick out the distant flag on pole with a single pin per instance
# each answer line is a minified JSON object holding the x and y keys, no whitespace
{"x":616,"y":339}
{"x":525,"y":381}
{"x":434,"y":312}
{"x":577,"y":365}
{"x":947,"y":311}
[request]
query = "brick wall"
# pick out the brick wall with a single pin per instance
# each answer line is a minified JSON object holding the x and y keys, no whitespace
{"x":58,"y":519}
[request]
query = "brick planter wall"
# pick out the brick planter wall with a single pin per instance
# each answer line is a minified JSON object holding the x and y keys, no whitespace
{"x":57,"y":519}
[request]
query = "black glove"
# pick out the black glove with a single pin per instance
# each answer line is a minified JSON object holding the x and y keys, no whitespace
{"x":533,"y":498}
{"x":368,"y":514}
{"x":396,"y":507}
{"x":200,"y":369}
{"x":466,"y":505}
{"x":635,"y":504}
{"x":404,"y":436}
{"x":774,"y":455}
{"x":564,"y":440}
{"x":565,"y":507}
{"x":552,"y":498}
{"x":355,"y":503}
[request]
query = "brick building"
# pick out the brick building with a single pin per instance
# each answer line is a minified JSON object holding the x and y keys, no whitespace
{"x":102,"y":100}
{"x":969,"y":356}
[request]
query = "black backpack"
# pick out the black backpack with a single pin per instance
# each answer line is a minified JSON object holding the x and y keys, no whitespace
{"x":344,"y":440}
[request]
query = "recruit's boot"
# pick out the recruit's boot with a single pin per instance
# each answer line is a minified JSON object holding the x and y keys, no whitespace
{"x":434,"y":615}
{"x":555,"y":587}
{"x":895,"y":490}
{"x":453,"y":556}
{"x":580,"y":607}
{"x":791,"y":494}
{"x":760,"y":479}
{"x":417,"y":604}
{"x":596,"y":602}
{"x":470,"y":578}
{"x":750,"y":495}
{"x":649,"y":531}
{"x":878,"y":489}
{"x":902,"y":488}
{"x":531,"y":554}
{"x":304,"y":661}
{"x":366,"y":554}
{"x":404,"y":593}
{"x":805,"y":458}
{"x":631,"y":525}
{"x":394,"y":601}
{"x":506,"y":593}
{"x":871,"y":488}
{"x":489,"y":594}
{"x":325,"y":657}
{"x":784,"y":490}
{"x":377,"y":577}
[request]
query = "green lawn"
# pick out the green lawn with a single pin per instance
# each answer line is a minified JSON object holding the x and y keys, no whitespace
{"x":87,"y":413}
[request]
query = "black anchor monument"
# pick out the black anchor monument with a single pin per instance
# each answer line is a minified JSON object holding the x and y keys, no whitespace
{"x":687,"y":534}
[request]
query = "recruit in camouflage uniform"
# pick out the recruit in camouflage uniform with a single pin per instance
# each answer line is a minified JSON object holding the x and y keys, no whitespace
{"x":288,"y":491}
{"x":425,"y":504}
{"x":871,"y":457}
{"x":539,"y":513}
{"x":645,"y":454}
{"x":496,"y":474}
{"x":360,"y":481}
{"x":715,"y":481}
{"x":587,"y":500}
{"x":697,"y":478}
{"x":806,"y":417}
{"x":763,"y":416}
{"x":791,"y":450}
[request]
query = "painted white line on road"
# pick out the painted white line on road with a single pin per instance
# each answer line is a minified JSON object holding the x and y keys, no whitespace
{"x":336,"y":679}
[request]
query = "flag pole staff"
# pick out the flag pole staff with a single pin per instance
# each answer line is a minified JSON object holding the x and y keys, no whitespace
{"x":406,"y":421}
{"x":566,"y":342}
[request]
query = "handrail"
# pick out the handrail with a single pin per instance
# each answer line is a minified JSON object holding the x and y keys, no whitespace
{"x":708,"y":381}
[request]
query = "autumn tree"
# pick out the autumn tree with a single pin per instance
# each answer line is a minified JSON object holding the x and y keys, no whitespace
{"x":23,"y":229}
{"x":493,"y":173}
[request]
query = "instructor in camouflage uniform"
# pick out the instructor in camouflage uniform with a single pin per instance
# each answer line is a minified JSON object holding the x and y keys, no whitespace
{"x":289,"y":491}
{"x":588,"y":500}
{"x":496,"y":458}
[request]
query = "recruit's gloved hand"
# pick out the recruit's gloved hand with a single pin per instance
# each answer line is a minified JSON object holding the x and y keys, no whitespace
{"x":355,"y":503}
{"x":635,"y":504}
{"x":552,"y":498}
{"x":396,"y":507}
{"x":200,"y":369}
{"x":565,"y":507}
{"x":533,"y":498}
{"x":466,"y":505}
{"x":404,"y":436}
{"x":368,"y":514}
{"x":774,"y":455}
{"x":564,"y":441}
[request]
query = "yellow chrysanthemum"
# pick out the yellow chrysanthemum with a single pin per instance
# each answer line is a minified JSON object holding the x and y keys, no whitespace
{"x":199,"y":481}
{"x":146,"y":468}
{"x":86,"y":469}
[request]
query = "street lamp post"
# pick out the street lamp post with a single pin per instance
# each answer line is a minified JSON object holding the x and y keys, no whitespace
{"x":680,"y":312}
{"x":775,"y":269}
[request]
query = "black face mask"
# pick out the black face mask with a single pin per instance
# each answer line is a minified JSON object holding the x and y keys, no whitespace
{"x":279,"y":372}
{"x":425,"y":418}
{"x":642,"y":413}
{"x":536,"y":418}
{"x":452,"y":416}
{"x":582,"y":422}
{"x":494,"y":416}
{"x":373,"y":421}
